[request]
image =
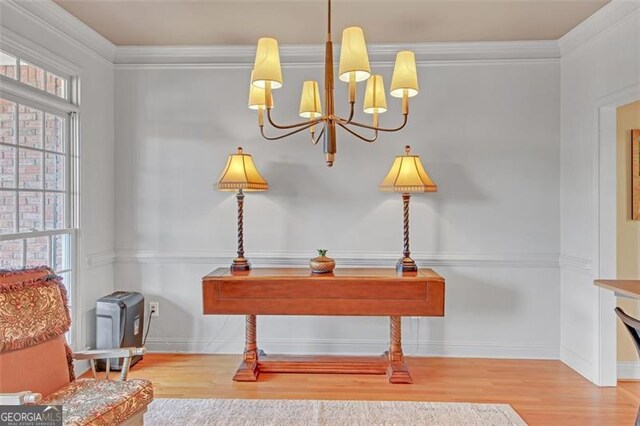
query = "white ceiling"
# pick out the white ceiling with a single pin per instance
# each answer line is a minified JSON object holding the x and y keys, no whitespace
{"x":216,"y":22}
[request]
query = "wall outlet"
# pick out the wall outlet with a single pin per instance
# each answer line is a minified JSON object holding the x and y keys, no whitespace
{"x":154,"y":308}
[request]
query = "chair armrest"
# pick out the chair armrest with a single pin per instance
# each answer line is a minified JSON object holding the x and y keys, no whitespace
{"x":20,"y":398}
{"x":107,"y":354}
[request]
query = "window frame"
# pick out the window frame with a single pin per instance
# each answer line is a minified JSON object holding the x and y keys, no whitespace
{"x":68,"y":72}
{"x":20,"y":93}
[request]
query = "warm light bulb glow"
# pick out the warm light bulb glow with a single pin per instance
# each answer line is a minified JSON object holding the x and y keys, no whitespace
{"x":267,"y":64}
{"x":375,"y":100}
{"x":354,"y":59}
{"x":310,"y":106}
{"x":405,"y":75}
{"x":257,"y":98}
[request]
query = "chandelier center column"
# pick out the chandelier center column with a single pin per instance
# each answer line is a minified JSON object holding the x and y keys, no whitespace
{"x":330,"y":130}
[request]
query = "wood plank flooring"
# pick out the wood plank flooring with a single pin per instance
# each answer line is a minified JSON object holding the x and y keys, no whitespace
{"x":542,"y":392}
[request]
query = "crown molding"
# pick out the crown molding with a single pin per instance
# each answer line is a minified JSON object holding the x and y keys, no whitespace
{"x":344,"y":259}
{"x":21,"y":47}
{"x":609,"y":16}
{"x":309,"y":55}
{"x":53,"y":17}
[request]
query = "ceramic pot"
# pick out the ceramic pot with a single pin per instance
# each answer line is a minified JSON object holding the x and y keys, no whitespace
{"x":322,"y":264}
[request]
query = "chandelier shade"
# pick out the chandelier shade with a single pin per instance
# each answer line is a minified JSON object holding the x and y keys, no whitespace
{"x":310,"y":106}
{"x":407,"y":174}
{"x":375,"y":100}
{"x":241,"y":173}
{"x":266,"y":68}
{"x":405,"y":75}
{"x":257,"y":98}
{"x":354,"y":60}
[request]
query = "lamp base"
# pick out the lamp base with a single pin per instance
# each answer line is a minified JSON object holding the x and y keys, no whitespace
{"x":240,"y":264}
{"x":406,"y":264}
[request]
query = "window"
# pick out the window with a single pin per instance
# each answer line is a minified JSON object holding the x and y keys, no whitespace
{"x":35,"y":227}
{"x":33,"y":75}
{"x":37,"y":169}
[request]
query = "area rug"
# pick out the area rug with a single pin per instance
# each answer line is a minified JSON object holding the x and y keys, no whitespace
{"x":305,"y":412}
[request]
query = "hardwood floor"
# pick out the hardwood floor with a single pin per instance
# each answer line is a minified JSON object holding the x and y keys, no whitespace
{"x":542,"y":392}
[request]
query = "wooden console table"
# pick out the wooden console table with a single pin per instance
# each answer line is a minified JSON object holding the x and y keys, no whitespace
{"x":296,"y":291}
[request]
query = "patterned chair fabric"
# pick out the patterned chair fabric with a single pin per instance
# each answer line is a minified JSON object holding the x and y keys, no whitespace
{"x":34,"y":316}
{"x":101,"y":402}
{"x":33,"y":308}
{"x":33,"y":320}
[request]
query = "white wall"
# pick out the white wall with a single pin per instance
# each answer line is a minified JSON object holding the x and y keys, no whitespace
{"x":488,"y":132}
{"x":96,"y":235}
{"x":600,"y":59}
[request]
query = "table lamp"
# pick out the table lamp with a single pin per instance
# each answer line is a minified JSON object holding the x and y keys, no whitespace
{"x":407,"y":175}
{"x":240,"y":174}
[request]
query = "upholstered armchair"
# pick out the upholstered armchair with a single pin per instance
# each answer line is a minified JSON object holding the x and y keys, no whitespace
{"x":36,"y":364}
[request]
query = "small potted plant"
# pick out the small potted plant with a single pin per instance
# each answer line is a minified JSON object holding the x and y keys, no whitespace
{"x":322,"y":264}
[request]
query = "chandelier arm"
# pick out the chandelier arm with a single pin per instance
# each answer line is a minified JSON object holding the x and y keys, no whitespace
{"x":351,"y":112}
{"x":293,"y":126}
{"x":315,"y":142}
{"x":382,"y":129}
{"x":275,"y":138}
{"x":359,"y":136}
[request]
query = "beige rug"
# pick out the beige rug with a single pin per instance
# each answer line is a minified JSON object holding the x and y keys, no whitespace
{"x":259,"y":412}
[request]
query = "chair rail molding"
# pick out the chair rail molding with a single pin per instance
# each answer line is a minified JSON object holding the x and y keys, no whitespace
{"x":576,"y":264}
{"x":345,"y":259}
{"x":103,"y":258}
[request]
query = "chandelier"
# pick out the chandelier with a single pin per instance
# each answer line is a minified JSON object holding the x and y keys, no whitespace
{"x":266,"y":76}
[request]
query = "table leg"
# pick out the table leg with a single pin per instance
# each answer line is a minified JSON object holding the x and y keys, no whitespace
{"x":397,"y":371}
{"x":248,"y":370}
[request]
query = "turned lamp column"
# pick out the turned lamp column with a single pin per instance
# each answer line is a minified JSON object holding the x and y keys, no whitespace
{"x":406,"y":263}
{"x":240,"y":263}
{"x":407,"y":175}
{"x":240,"y":175}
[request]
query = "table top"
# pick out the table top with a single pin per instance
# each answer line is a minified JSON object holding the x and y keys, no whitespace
{"x":629,"y":288}
{"x":341,"y":273}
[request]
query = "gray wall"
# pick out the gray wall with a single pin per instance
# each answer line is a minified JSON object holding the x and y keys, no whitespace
{"x":488,"y":133}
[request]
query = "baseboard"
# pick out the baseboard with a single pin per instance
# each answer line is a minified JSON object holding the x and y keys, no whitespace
{"x":358,"y":347}
{"x":580,"y":364}
{"x":628,"y":370}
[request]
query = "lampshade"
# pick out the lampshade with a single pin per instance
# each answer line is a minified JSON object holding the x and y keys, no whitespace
{"x":256,"y":96}
{"x":374,"y":97}
{"x":267,"y":64}
{"x":241,"y":173}
{"x":407,"y":175}
{"x":405,"y":75}
{"x":310,"y":106}
{"x":353,"y":55}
